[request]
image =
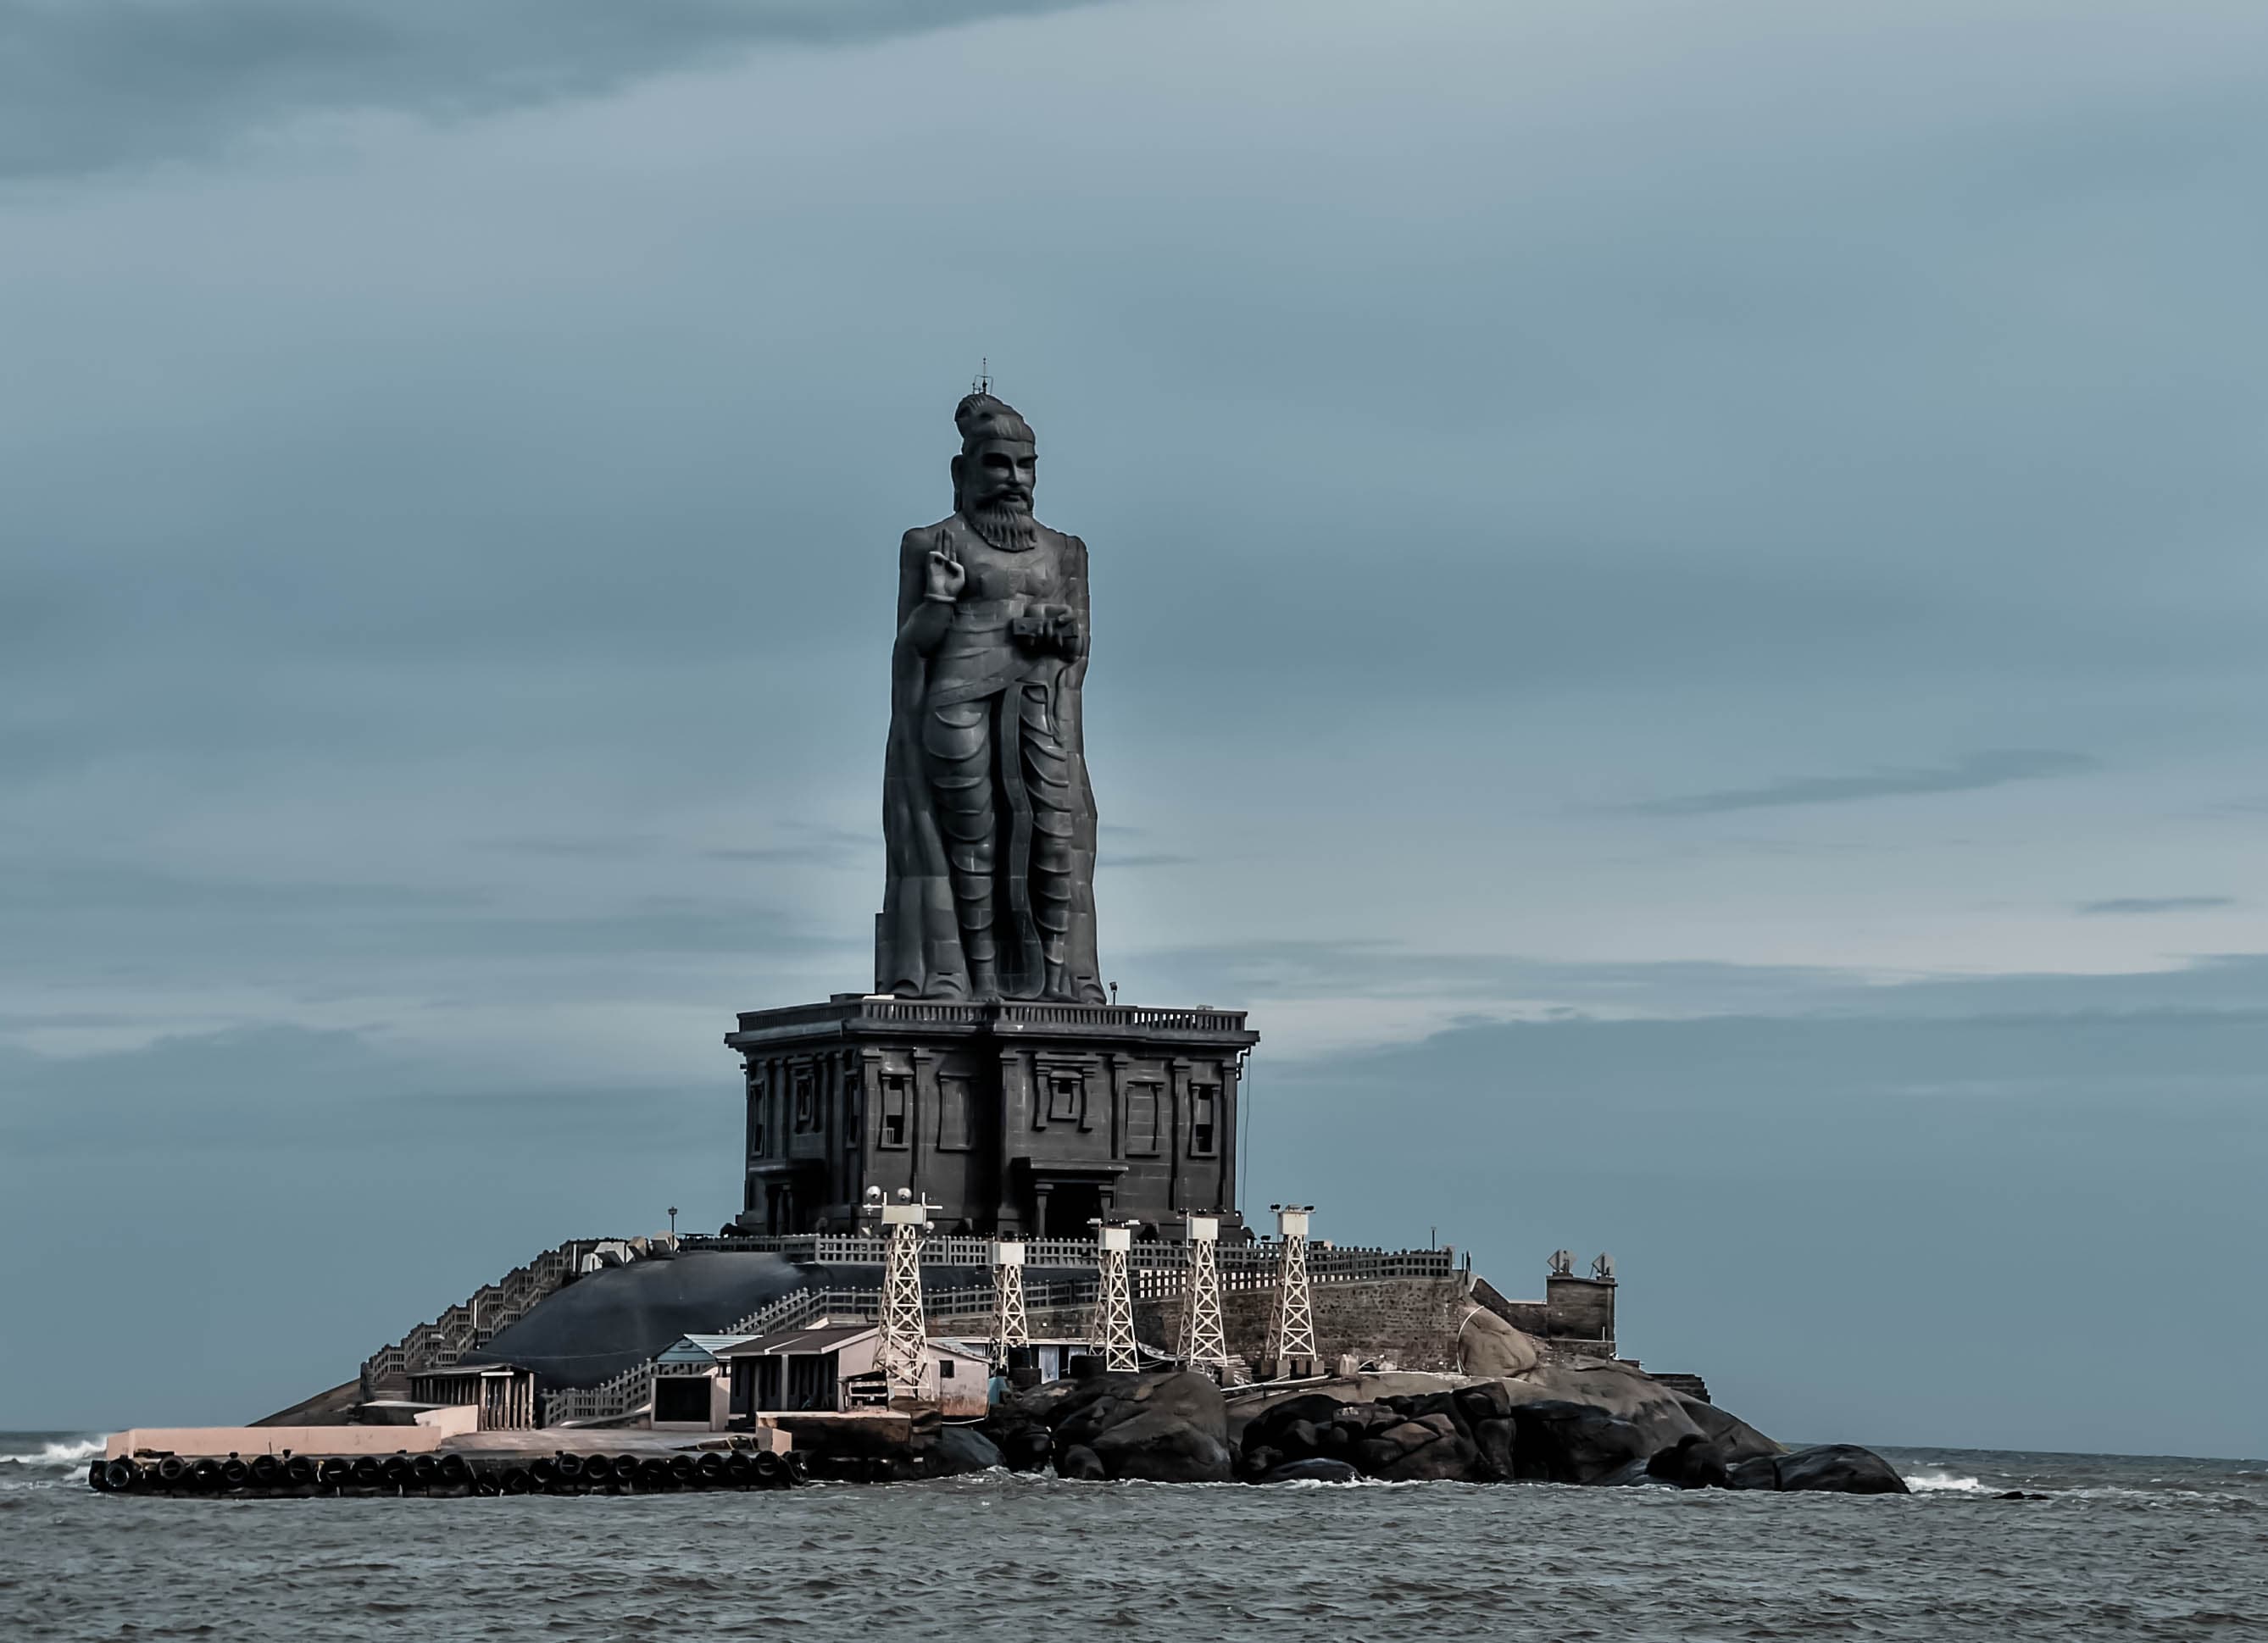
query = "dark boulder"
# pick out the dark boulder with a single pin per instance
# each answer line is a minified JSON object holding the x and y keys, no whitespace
{"x":1168,"y":1427}
{"x":1451,"y":1459}
{"x":1080,"y":1463}
{"x":1273,"y":1426}
{"x":1732,"y":1439}
{"x":961,"y":1449}
{"x":1364,"y":1417}
{"x":1560,"y":1442}
{"x":1058,"y":1403}
{"x":1175,"y":1395}
{"x":1498,"y":1443}
{"x":1444,"y":1404}
{"x":1841,"y":1468}
{"x":1830,"y":1468}
{"x":1025,"y":1444}
{"x":1161,"y":1446}
{"x":1488,"y":1400}
{"x":1762,"y":1472}
{"x":1691,"y":1463}
{"x":1430,"y":1447}
{"x":1311,"y":1471}
{"x":1634,"y":1398}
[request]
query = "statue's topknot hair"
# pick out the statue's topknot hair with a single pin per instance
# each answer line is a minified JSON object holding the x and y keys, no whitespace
{"x":980,"y":417}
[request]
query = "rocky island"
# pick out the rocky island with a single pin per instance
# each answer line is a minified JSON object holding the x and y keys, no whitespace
{"x":989,"y":1216}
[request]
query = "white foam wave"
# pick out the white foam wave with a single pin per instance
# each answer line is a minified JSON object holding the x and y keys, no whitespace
{"x":72,"y":1452}
{"x":1944,"y":1481}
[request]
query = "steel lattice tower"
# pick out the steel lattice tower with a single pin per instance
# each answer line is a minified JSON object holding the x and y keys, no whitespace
{"x":1292,"y":1343}
{"x":901,"y":1356}
{"x":1009,"y":1328}
{"x":1114,"y":1298}
{"x":1204,"y":1343}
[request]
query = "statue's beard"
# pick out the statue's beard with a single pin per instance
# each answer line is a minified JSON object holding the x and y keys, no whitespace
{"x":1011,"y":529}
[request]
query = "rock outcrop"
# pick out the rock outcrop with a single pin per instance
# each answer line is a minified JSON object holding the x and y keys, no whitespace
{"x":1570,"y":1421}
{"x":963,"y":1448}
{"x":1839,"y":1468}
{"x":1581,"y":1421}
{"x":1170,"y":1428}
{"x":1489,"y":1348}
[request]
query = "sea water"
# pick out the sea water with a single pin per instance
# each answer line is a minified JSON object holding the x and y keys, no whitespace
{"x":2121,"y":1547}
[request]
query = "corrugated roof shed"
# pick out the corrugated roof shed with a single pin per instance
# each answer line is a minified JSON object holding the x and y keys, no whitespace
{"x":798,"y":1340}
{"x":699,"y":1349}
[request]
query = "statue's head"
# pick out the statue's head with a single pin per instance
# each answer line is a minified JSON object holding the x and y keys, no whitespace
{"x":994,"y":474}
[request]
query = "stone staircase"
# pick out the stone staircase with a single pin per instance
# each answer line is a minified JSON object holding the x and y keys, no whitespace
{"x":469,"y":1325}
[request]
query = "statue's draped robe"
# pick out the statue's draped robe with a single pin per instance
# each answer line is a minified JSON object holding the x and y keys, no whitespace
{"x":980,"y":706}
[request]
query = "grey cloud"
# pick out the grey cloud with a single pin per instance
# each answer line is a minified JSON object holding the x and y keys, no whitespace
{"x":2119,"y":905}
{"x":86,"y":85}
{"x":1139,"y":859}
{"x":1968,"y":775}
{"x":107,"y":916}
{"x":78,"y":889}
{"x":2205,"y":984}
{"x":1380,"y":969}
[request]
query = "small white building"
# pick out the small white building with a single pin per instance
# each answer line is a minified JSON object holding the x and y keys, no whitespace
{"x":831,"y":1368}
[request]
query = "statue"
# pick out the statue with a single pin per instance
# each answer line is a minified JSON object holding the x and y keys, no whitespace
{"x":987,"y":820}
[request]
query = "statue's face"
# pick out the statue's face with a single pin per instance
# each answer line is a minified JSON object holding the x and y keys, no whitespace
{"x":999,"y":476}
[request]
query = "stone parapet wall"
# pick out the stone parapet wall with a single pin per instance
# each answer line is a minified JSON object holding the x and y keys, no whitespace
{"x":1414,"y":1322}
{"x":1559,"y":1348}
{"x":1576,"y":1318}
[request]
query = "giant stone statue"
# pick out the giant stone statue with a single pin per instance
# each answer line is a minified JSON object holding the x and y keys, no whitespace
{"x":987,"y":816}
{"x":987,"y":1071}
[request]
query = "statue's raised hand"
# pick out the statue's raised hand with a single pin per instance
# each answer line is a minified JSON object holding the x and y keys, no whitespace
{"x":946,"y":575}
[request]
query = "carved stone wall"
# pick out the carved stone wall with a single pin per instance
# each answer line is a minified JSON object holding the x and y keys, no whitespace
{"x":1012,"y":1117}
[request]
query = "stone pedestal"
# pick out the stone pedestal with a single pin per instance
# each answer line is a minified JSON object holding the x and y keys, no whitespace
{"x":1016,"y":1117}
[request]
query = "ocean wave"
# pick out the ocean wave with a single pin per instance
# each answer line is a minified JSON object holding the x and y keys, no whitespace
{"x":1945,"y":1480}
{"x":67,"y":1452}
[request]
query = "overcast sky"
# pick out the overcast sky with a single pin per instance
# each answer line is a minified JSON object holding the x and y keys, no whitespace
{"x":1678,"y":605}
